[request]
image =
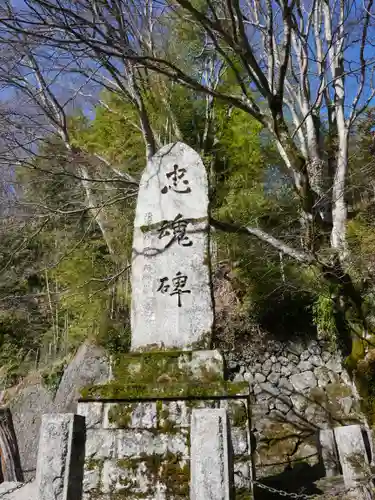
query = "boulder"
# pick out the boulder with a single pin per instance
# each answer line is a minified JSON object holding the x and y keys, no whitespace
{"x":89,"y":366}
{"x":27,"y":408}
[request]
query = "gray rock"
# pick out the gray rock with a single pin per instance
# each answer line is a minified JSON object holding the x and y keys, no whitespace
{"x":323,"y":376}
{"x":276,"y":368}
{"x":326,"y":356}
{"x":303,"y":381}
{"x":285,"y":385}
{"x":305,"y":355}
{"x":170,"y":272}
{"x":27,"y":408}
{"x":256,"y":389}
{"x":248,"y":377}
{"x":299,"y":402}
{"x":335,"y":364}
{"x":304,"y":366}
{"x":267,"y":367}
{"x":269,"y":389}
{"x":259,"y":377}
{"x":282,"y":407}
{"x":273,"y":359}
{"x":314,"y":348}
{"x":60,"y":457}
{"x":316,"y":360}
{"x":209,"y":465}
{"x":287,"y":370}
{"x":296,"y":348}
{"x":293,"y":358}
{"x":346,"y":404}
{"x":89,"y":366}
{"x":283,"y":360}
{"x":273,"y":377}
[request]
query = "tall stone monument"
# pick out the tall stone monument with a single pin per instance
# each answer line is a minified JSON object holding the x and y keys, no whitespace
{"x":171,"y":289}
{"x":143,"y":440}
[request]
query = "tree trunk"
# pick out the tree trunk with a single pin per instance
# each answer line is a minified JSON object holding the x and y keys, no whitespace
{"x":10,"y":464}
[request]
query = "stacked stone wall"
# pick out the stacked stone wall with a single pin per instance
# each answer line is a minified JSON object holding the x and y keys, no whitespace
{"x":297,"y":388}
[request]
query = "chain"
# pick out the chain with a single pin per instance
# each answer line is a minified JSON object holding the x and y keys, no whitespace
{"x":282,"y":493}
{"x":17,"y":487}
{"x":296,"y":496}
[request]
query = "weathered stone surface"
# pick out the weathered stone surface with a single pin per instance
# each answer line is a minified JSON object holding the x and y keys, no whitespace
{"x":267,"y":367}
{"x":27,"y":408}
{"x":93,"y":413}
{"x":240,"y":440}
{"x":89,"y":366}
{"x":209,"y":466}
{"x":18,"y":491}
{"x":259,"y":377}
{"x":91,"y":479}
{"x":206,"y":361}
{"x":242,"y":476}
{"x":352,"y":453}
{"x":286,"y":370}
{"x":299,"y":402}
{"x":335,"y":364}
{"x":328,"y":452}
{"x":305,"y":366}
{"x":273,"y":377}
{"x":171,"y":293}
{"x":100,"y":443}
{"x":130,"y":415}
{"x":323,"y":376}
{"x":175,"y":413}
{"x":132,"y":443}
{"x":316,"y":360}
{"x":61,"y":457}
{"x":303,"y":381}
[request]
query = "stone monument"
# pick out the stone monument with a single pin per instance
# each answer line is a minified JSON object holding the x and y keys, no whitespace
{"x":171,"y":290}
{"x":147,"y":426}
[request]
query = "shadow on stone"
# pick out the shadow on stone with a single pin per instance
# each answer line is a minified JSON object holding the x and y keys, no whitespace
{"x":299,"y":479}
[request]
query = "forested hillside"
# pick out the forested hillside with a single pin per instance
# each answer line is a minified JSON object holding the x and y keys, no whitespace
{"x":283,"y":119}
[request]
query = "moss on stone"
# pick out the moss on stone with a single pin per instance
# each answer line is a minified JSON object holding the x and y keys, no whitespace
{"x":204,"y":342}
{"x":239,"y":416}
{"x":172,"y":390}
{"x":121,"y":415}
{"x":93,"y":464}
{"x":243,"y":494}
{"x":169,"y":469}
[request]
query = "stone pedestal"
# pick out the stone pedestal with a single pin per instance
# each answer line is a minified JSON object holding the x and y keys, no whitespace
{"x":210,"y":468}
{"x":60,"y":457}
{"x":139,"y":426}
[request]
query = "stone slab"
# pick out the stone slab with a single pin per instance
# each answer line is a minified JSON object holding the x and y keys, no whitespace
{"x":210,"y":472}
{"x":60,"y":463}
{"x":327,"y":448}
{"x":171,"y":286}
{"x":352,"y":453}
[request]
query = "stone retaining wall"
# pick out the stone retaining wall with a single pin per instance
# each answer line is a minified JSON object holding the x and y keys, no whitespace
{"x":296,"y":389}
